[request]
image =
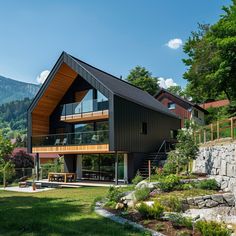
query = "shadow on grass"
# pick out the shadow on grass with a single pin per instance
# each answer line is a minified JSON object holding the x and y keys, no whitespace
{"x":27,"y":215}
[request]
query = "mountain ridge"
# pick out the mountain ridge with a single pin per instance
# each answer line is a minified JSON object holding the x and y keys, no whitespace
{"x":12,"y":90}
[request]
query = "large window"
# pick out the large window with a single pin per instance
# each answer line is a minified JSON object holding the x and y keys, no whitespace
{"x":102,"y":167}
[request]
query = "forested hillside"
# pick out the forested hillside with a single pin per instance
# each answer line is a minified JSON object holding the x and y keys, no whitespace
{"x":13,"y":118}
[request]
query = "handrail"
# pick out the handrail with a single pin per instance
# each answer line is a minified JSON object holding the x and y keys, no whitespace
{"x":159,"y":150}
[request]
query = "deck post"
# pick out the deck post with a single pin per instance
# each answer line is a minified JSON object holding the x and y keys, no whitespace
{"x":37,"y":166}
{"x":116,"y":168}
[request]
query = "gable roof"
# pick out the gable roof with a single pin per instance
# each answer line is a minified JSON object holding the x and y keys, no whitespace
{"x":162,"y":90}
{"x":111,"y":83}
{"x":125,"y":90}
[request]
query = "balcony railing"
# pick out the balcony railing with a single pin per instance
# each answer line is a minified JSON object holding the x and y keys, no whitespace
{"x":84,"y":107}
{"x":72,"y":139}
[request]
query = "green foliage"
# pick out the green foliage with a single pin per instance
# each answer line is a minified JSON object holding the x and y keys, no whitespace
{"x":209,"y":184}
{"x":169,"y":183}
{"x":143,"y":79}
{"x":212,"y":228}
{"x":212,"y":58}
{"x":138,"y":178}
{"x":151,"y":212}
{"x":179,"y":221}
{"x":177,"y":90}
{"x":114,"y":194}
{"x":172,"y":204}
{"x":186,"y":150}
{"x":13,"y":119}
{"x":142,"y":194}
{"x":51,"y":167}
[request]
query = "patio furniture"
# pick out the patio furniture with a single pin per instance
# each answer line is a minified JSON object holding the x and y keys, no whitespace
{"x":22,"y":184}
{"x":57,"y":142}
{"x":61,"y":177}
{"x":64,"y":142}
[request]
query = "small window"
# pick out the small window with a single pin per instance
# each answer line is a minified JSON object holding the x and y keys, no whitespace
{"x":195,"y":113}
{"x":173,"y":134}
{"x":171,"y":105}
{"x":144,"y":128}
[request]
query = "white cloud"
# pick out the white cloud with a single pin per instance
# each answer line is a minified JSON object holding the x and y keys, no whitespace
{"x":43,"y":76}
{"x":174,"y":43}
{"x":166,"y":83}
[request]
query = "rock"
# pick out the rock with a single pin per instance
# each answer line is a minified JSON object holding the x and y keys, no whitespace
{"x":198,"y":199}
{"x":149,"y":203}
{"x":130,"y":204}
{"x":129,"y":196}
{"x":217,"y":198}
{"x":201,"y":204}
{"x":229,"y":198}
{"x":224,"y":185}
{"x":210,"y":203}
{"x":154,"y":192}
{"x":145,"y":184}
{"x":206,"y":197}
{"x":119,"y":206}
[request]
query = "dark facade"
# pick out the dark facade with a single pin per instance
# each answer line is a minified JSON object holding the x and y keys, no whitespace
{"x":125,"y":125}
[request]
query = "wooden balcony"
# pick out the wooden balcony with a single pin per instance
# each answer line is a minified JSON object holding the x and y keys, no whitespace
{"x":88,"y":116}
{"x":80,"y":149}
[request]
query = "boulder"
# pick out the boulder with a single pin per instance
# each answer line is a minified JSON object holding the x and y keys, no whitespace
{"x":217,"y":198}
{"x":129,"y":196}
{"x":201,"y":204}
{"x":145,"y":184}
{"x":229,"y":198}
{"x":119,"y":205}
{"x":210,"y":203}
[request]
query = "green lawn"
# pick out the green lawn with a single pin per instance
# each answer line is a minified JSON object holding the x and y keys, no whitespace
{"x":56,"y":212}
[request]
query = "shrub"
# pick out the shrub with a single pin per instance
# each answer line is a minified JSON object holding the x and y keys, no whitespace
{"x":169,"y":183}
{"x":151,"y":212}
{"x":179,"y":221}
{"x":114,"y":194}
{"x":172,"y":204}
{"x":209,"y":184}
{"x":142,"y":194}
{"x":212,"y":228}
{"x":138,"y":178}
{"x":186,"y":186}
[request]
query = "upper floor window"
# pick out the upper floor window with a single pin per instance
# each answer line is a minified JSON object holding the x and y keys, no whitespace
{"x":195,"y":113}
{"x":144,"y":128}
{"x":171,"y":105}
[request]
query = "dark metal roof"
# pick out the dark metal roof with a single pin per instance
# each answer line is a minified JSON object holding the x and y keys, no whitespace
{"x":162,"y":90}
{"x":125,"y":90}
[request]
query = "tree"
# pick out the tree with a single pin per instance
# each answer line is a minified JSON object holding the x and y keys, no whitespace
{"x":176,"y":90}
{"x":143,"y":79}
{"x":211,"y":59}
{"x":21,"y":159}
{"x":186,"y":150}
{"x":6,"y":166}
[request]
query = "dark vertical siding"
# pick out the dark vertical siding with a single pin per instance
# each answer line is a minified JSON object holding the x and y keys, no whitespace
{"x":128,"y":118}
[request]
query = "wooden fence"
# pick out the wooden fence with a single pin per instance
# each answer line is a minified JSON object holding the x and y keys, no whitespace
{"x":215,"y":131}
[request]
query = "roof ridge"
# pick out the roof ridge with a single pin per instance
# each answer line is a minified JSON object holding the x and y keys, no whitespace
{"x":106,"y":73}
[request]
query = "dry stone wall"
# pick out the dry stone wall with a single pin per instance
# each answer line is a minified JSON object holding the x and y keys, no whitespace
{"x":218,"y":161}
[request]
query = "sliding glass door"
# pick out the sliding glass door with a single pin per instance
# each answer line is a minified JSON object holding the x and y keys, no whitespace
{"x":102,"y":167}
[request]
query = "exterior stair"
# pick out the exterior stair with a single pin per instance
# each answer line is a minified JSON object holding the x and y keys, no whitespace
{"x":157,"y":158}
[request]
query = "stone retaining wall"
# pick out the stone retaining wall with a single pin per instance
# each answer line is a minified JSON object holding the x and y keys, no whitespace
{"x":219,"y":161}
{"x":209,"y":201}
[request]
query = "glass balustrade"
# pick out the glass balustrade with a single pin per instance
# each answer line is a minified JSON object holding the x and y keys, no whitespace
{"x":84,"y":107}
{"x":67,"y":139}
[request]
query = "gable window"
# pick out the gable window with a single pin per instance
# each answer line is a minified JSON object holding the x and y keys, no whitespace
{"x":195,"y":113}
{"x":144,"y":128}
{"x":171,"y":105}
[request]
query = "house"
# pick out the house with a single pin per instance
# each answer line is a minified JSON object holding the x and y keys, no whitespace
{"x":102,"y":125}
{"x":214,"y":104}
{"x":183,"y":108}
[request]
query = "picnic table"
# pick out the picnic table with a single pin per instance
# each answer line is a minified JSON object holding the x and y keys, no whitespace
{"x":61,"y":177}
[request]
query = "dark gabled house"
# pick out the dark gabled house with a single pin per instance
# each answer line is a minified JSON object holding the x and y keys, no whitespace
{"x":182,"y":107}
{"x":102,"y":125}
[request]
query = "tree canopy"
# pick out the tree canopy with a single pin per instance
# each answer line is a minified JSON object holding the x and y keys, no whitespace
{"x":211,"y":59}
{"x":142,"y":78}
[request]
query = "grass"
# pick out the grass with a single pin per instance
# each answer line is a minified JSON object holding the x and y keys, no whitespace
{"x":183,"y":194}
{"x":56,"y":213}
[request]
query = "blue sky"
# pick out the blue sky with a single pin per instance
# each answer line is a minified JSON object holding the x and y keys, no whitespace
{"x":112,"y":35}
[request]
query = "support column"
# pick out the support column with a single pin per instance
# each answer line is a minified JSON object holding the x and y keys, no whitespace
{"x":79,"y":166}
{"x":116,"y":168}
{"x":37,"y":166}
